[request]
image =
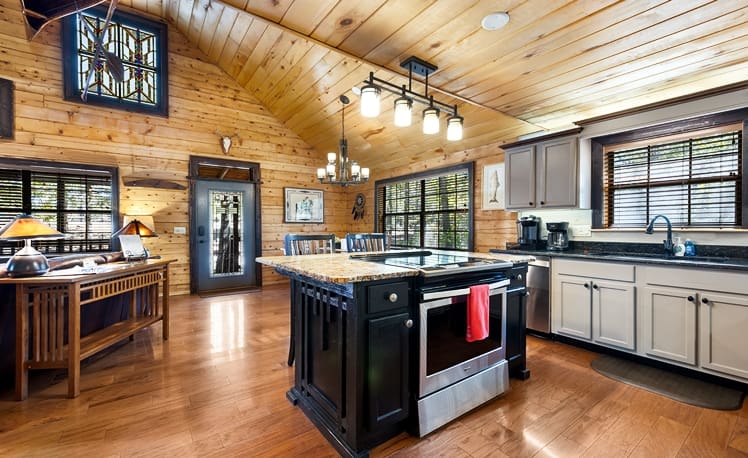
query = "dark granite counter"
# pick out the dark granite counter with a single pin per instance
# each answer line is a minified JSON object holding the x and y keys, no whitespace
{"x":709,"y":256}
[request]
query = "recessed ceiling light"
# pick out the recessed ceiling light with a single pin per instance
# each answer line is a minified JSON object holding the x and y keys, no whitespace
{"x":494,"y":21}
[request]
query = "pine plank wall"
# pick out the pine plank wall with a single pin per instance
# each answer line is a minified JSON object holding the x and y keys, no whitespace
{"x":204,"y":104}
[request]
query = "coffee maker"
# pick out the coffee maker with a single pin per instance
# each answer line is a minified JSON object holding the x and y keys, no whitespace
{"x":528,"y":232}
{"x":558,"y":238}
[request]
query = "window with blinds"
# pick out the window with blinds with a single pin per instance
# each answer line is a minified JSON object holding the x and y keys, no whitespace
{"x":430,"y":210}
{"x":78,"y":203}
{"x":695,"y":181}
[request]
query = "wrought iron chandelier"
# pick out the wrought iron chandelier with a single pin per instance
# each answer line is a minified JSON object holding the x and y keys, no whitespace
{"x":374,"y":86}
{"x":342,"y":173}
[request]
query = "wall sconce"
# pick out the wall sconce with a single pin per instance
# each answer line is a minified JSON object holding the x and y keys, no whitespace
{"x":374,"y":86}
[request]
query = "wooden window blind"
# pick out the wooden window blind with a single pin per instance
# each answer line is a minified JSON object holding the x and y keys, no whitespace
{"x":695,"y":181}
{"x":76,"y":203}
{"x":428,"y":211}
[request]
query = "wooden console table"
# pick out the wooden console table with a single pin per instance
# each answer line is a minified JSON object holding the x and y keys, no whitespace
{"x":45,"y":303}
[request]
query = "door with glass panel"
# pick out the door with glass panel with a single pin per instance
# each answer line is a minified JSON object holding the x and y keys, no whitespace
{"x":224,"y":227}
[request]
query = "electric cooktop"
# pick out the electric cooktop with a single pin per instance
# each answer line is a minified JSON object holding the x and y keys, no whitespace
{"x":430,"y":263}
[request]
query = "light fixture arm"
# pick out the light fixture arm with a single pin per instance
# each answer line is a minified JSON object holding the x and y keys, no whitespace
{"x":423,"y":99}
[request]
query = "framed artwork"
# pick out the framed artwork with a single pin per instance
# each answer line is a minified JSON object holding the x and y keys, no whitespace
{"x":6,"y":108}
{"x":303,"y":205}
{"x":493,"y":187}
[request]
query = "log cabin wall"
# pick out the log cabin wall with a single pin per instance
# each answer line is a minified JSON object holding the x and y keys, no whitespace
{"x":204,"y":104}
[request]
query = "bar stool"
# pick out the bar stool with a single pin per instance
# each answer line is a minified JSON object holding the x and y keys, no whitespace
{"x":366,"y":242}
{"x":299,"y":245}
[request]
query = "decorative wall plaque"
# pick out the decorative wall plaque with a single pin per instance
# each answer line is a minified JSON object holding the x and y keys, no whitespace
{"x":6,"y":108}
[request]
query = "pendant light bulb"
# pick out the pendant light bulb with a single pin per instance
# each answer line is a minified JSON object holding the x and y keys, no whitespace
{"x":403,"y":111}
{"x":454,"y":128}
{"x":431,"y":120}
{"x":370,"y":101}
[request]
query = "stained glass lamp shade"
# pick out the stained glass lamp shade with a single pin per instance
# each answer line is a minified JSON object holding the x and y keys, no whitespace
{"x":137,"y":225}
{"x":27,"y":261}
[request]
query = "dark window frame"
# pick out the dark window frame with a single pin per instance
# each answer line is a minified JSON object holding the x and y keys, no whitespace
{"x":72,"y":89}
{"x":66,"y":169}
{"x":468,"y":167}
{"x":695,"y":124}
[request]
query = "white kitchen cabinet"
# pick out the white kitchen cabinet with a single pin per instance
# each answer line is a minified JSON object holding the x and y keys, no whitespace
{"x":594,"y":301}
{"x":542,"y":174}
{"x":689,"y":323}
{"x":668,"y":318}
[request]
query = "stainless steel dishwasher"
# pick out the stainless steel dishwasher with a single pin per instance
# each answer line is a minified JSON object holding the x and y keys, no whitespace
{"x":538,"y":300}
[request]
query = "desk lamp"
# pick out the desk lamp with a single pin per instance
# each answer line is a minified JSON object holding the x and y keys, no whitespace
{"x":27,"y":261}
{"x":133,"y":226}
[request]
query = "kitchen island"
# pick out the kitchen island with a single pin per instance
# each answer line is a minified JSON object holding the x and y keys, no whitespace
{"x":356,"y":329}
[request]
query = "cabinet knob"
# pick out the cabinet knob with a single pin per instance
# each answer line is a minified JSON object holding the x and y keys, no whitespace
{"x":542,"y":202}
{"x":587,"y":285}
{"x":530,"y":203}
{"x":527,"y":293}
{"x":690,"y":298}
{"x":392,"y":297}
{"x":704,"y":300}
{"x":408,"y":323}
{"x":594,"y":286}
{"x":519,"y":277}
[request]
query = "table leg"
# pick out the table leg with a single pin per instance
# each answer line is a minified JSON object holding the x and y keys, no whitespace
{"x":22,"y":343}
{"x":165,"y":295}
{"x":74,"y":340}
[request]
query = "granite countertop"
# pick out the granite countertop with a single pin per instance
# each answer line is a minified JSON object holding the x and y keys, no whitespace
{"x":339,"y":268}
{"x":713,"y":259}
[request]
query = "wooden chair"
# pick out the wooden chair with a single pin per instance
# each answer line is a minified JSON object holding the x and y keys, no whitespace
{"x":298,"y":245}
{"x":301,"y":244}
{"x":366,"y":242}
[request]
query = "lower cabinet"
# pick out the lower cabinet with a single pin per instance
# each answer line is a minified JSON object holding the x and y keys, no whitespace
{"x":706,"y":329}
{"x":594,"y":308}
{"x":353,"y":360}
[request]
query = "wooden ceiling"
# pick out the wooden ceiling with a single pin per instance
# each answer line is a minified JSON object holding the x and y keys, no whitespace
{"x":554,"y":63}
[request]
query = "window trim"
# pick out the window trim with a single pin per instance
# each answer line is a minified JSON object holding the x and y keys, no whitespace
{"x":467,"y":166}
{"x":67,"y":167}
{"x":71,"y":88}
{"x":598,"y":145}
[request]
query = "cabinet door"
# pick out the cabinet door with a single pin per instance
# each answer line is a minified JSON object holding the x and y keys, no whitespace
{"x":387,"y":369}
{"x":724,"y":333}
{"x":669,"y":323}
{"x":557,"y":173}
{"x":613,"y":314}
{"x":520,"y":177}
{"x":571,"y":307}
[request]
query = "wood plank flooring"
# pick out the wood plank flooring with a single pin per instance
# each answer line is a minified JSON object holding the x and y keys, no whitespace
{"x":217,"y":388}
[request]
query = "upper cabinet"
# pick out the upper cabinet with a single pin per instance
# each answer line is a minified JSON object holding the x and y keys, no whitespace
{"x":542,"y":172}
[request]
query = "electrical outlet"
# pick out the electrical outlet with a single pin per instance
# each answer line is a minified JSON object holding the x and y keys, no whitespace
{"x":581,"y":230}
{"x":180,"y":230}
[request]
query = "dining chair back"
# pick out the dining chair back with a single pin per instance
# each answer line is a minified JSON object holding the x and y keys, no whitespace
{"x":302,"y":244}
{"x":366,"y":242}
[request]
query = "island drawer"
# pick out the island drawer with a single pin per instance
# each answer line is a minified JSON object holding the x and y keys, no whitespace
{"x":388,"y":296}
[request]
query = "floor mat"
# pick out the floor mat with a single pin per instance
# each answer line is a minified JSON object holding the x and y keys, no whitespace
{"x":675,"y":386}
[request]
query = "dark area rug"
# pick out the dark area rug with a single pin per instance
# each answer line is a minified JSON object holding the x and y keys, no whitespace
{"x":675,"y":386}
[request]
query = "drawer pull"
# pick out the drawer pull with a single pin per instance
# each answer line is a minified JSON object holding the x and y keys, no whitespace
{"x":392,"y":297}
{"x":408,"y":323}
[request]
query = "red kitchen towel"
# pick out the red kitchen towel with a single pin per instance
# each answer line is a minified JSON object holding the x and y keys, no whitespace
{"x":477,"y":313}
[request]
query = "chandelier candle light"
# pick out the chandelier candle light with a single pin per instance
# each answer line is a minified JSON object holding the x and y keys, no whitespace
{"x":341,"y":173}
{"x":374,"y":86}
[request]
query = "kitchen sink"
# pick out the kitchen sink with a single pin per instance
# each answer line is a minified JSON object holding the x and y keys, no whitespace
{"x":667,"y":258}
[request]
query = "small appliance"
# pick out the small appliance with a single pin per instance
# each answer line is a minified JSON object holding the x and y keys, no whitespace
{"x":558,"y":238}
{"x":528,"y":232}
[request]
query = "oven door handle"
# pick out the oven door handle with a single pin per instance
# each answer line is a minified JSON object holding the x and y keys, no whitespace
{"x":492,"y":287}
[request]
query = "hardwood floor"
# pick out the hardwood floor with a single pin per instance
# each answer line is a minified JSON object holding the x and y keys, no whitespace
{"x":217,"y":388}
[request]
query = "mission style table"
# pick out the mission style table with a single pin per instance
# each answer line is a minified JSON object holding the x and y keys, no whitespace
{"x":46,"y":304}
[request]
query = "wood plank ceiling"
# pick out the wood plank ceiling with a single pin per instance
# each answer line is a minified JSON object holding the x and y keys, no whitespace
{"x":554,"y":63}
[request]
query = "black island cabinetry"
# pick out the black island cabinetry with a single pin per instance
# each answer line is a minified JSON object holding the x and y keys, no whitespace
{"x":353,"y":359}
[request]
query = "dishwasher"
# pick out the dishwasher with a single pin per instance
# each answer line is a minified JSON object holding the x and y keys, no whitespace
{"x":538,"y":300}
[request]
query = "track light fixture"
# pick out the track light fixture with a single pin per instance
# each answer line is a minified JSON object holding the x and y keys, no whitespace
{"x":374,"y":86}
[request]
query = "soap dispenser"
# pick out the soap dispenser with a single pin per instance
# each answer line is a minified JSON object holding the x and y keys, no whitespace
{"x":690,"y":248}
{"x":679,"y":249}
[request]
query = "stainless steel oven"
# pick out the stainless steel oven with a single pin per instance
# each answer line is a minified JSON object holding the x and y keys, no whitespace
{"x":445,"y":356}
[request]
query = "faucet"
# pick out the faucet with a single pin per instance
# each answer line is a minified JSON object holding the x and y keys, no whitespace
{"x":668,"y":243}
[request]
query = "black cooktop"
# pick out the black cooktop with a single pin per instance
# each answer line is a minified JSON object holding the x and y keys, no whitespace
{"x":430,"y":263}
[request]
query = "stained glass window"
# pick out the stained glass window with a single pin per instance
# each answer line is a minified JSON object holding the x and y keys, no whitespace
{"x":140,"y":46}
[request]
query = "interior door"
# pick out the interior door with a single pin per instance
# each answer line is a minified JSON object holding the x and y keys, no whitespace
{"x":225,"y":235}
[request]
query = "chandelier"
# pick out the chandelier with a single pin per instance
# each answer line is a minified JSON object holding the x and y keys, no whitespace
{"x":374,"y":86}
{"x":342,"y":173}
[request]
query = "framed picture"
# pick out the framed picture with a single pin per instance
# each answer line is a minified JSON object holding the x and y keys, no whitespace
{"x":493,"y":187}
{"x":304,"y":205}
{"x":6,"y":108}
